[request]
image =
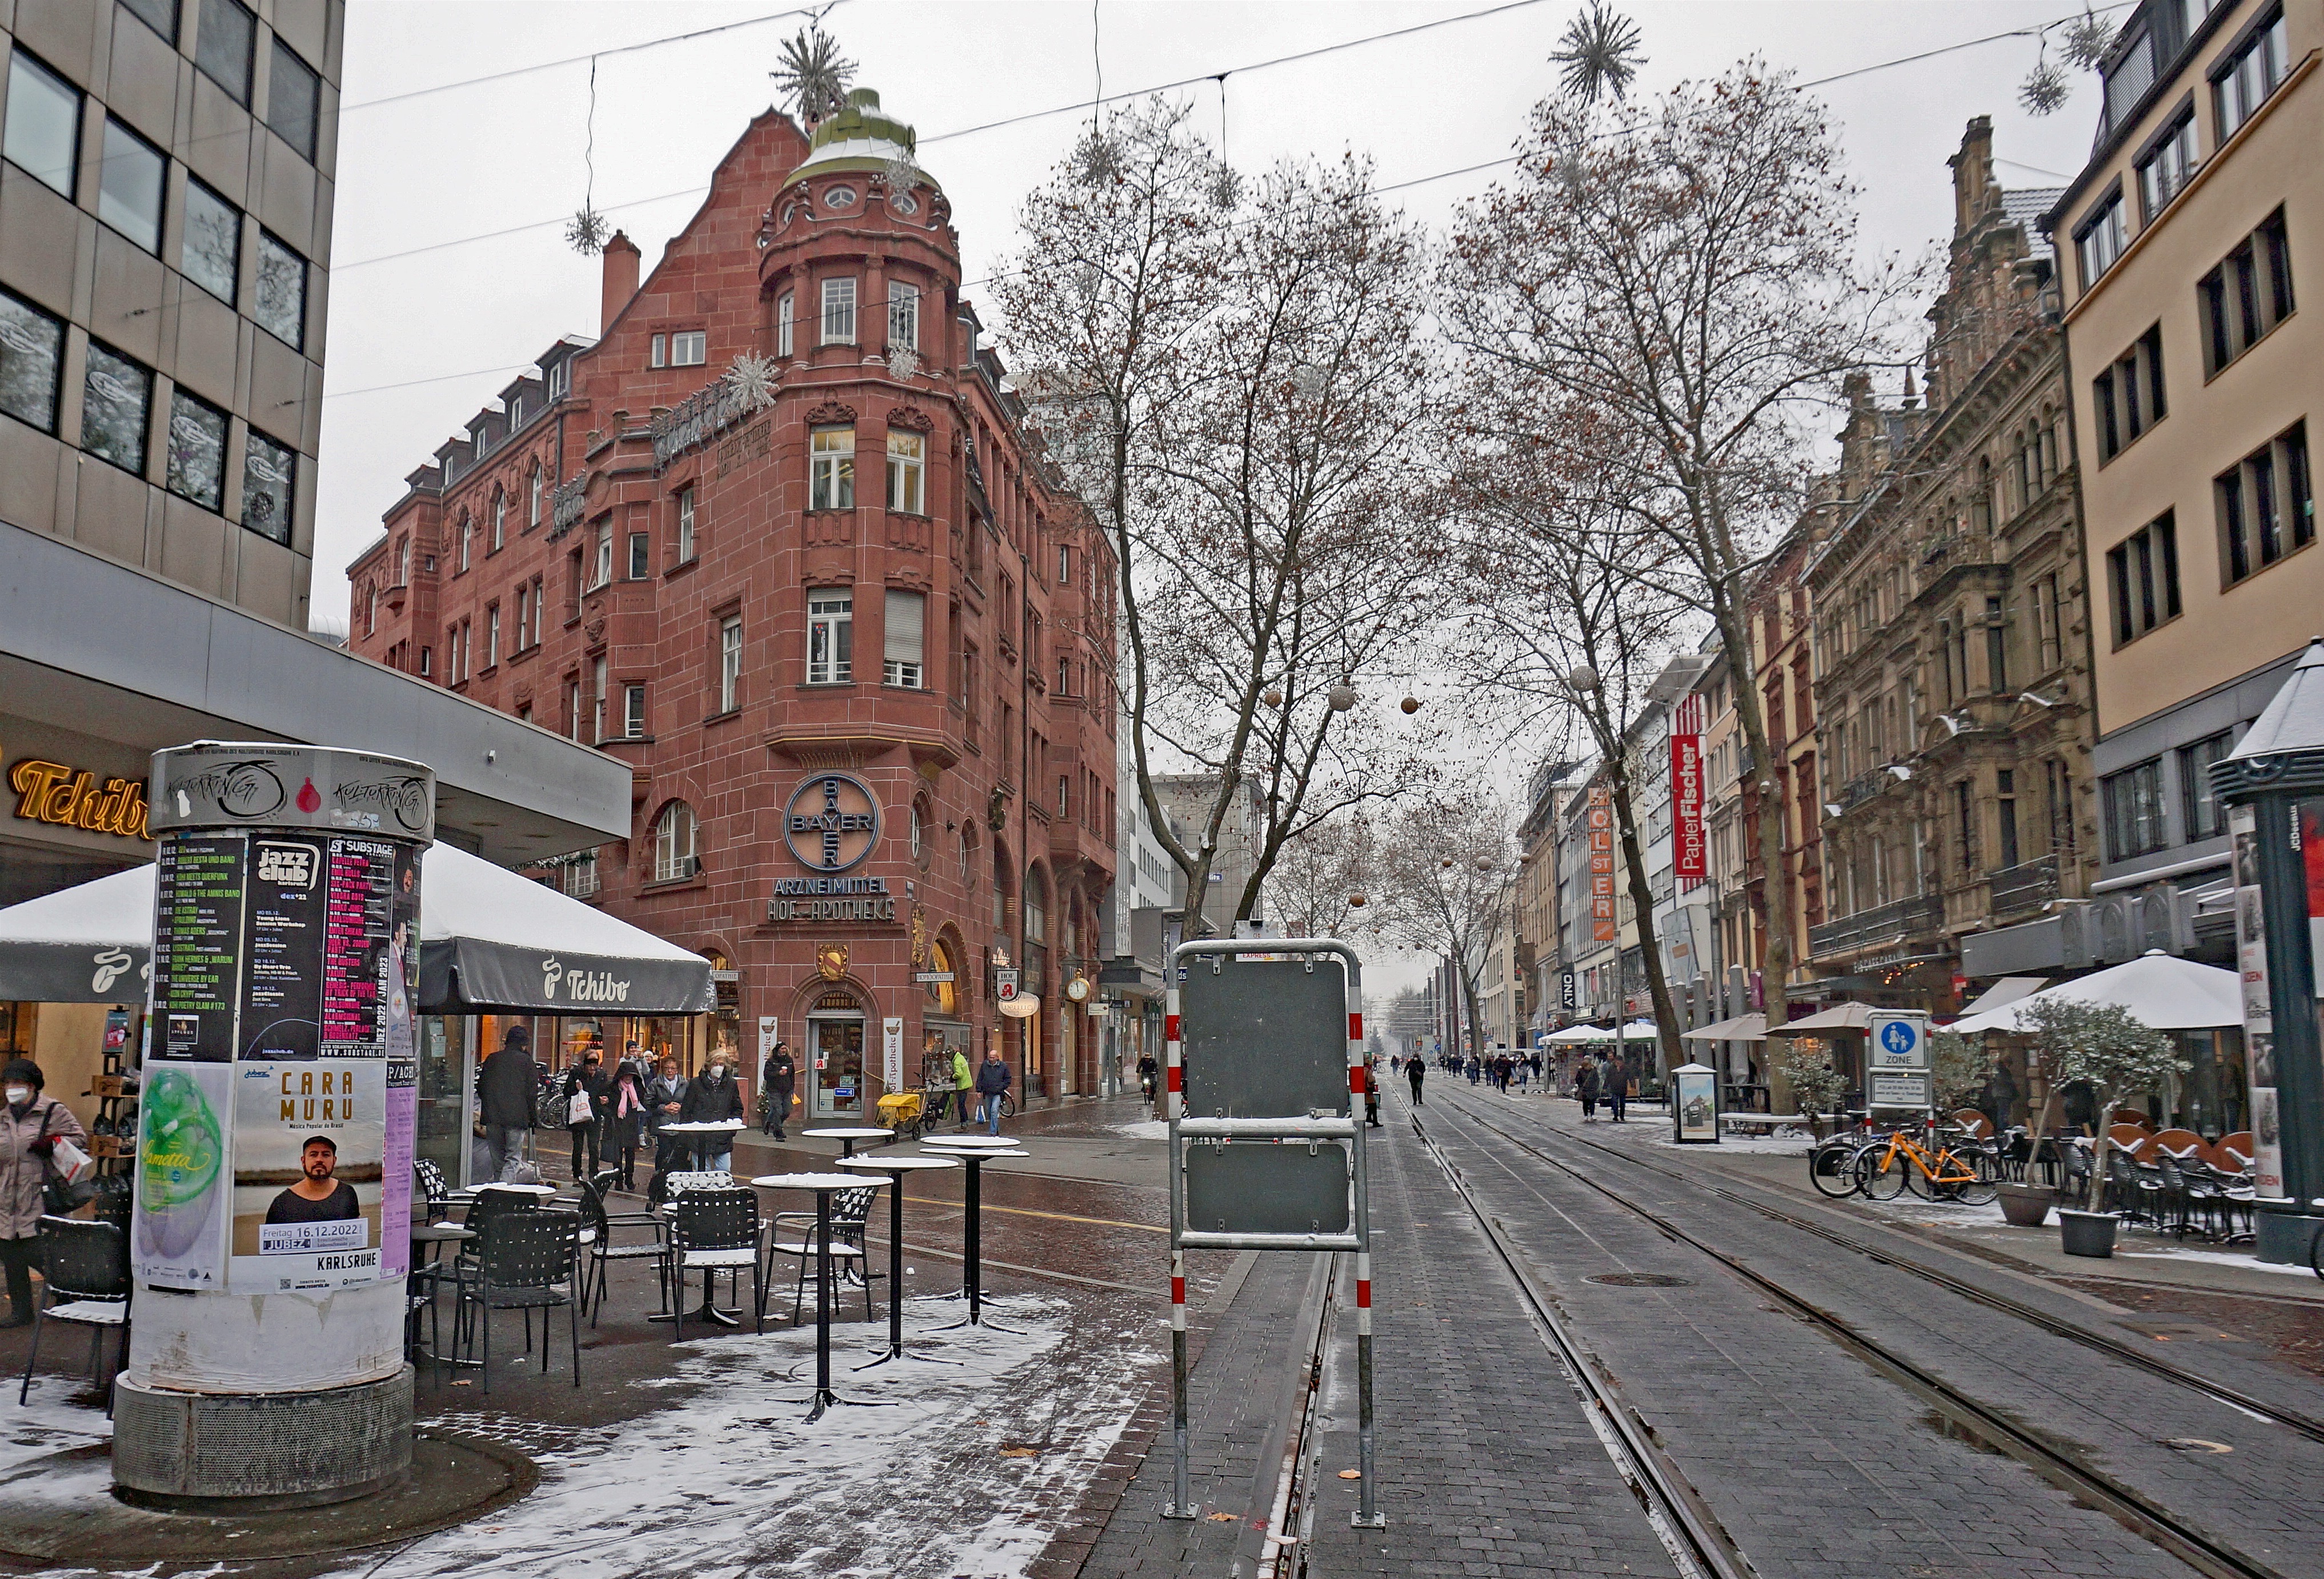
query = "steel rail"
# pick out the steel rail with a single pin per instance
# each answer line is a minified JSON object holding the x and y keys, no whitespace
{"x":1683,"y":1520}
{"x":2126,"y":1506}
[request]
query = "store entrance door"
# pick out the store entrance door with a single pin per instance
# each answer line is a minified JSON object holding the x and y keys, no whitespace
{"x":448,"y":1062}
{"x":837,"y":1087}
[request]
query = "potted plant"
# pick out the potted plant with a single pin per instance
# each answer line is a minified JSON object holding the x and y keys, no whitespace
{"x":2052,"y":1026}
{"x":2118,"y":1056}
{"x":1959,"y":1069}
{"x":1806,"y":1063}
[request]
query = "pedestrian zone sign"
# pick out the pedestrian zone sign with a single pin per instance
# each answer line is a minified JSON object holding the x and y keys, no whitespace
{"x":1899,"y":1039}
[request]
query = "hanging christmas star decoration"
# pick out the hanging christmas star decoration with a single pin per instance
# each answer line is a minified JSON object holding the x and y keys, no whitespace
{"x":751,"y":381}
{"x":2045,"y":88}
{"x":1094,"y":160}
{"x":586,"y":231}
{"x":902,"y":363}
{"x":1226,"y":188}
{"x":2087,"y":39}
{"x":813,"y":78}
{"x":1601,"y":55}
{"x":903,"y":171}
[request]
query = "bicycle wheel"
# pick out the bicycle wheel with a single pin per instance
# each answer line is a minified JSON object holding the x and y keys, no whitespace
{"x":1831,"y":1169}
{"x":1008,"y":1105}
{"x":1880,"y":1173}
{"x":1985,"y":1187}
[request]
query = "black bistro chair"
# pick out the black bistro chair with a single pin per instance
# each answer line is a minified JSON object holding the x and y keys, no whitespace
{"x":715,"y":1230}
{"x":84,"y":1279}
{"x":527,"y":1262}
{"x":599,"y":1226}
{"x":849,"y":1210}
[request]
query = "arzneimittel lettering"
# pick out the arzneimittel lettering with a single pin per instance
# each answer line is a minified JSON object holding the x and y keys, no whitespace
{"x":813,"y":887}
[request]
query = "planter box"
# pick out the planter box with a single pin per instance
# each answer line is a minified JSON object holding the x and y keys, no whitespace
{"x":2027,"y":1205}
{"x":2085,"y":1233}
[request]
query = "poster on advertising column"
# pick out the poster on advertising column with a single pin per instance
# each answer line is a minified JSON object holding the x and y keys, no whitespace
{"x":1598,"y":821}
{"x":2259,"y":1008}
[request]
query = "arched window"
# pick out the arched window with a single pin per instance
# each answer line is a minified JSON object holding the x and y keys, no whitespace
{"x":533,"y":519}
{"x":674,"y":843}
{"x":1037,"y":906}
{"x":500,"y":520}
{"x":466,"y":529}
{"x":921,"y":848}
{"x":944,"y":994}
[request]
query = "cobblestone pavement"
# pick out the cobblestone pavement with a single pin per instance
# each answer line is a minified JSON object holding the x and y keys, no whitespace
{"x":1817,"y":1465}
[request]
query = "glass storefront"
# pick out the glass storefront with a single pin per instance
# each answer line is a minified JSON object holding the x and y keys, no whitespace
{"x":443,"y":1129}
{"x":835,"y":1050}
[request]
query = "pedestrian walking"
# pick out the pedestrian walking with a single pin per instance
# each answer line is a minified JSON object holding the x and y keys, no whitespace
{"x":1476,"y":1068}
{"x":1618,"y":1087}
{"x":714,"y":1099}
{"x":665,"y":1103}
{"x":505,"y":1088}
{"x":625,"y":1122}
{"x":964,"y":1087}
{"x":1585,"y":1088}
{"x":30,"y":1129}
{"x":584,"y":1092}
{"x":1415,"y":1071}
{"x":1525,"y":1073}
{"x":1371,"y":1093}
{"x":992,"y":1084}
{"x":779,"y":1080}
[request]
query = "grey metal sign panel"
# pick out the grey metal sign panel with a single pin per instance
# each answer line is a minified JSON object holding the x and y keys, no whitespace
{"x":1264,"y":1039}
{"x":1265,"y":1187}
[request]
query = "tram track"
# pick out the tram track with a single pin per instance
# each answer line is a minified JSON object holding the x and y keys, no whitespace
{"x":2126,"y":1505}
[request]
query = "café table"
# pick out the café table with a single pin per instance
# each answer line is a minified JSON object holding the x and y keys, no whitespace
{"x":895,"y":1167}
{"x":822,"y":1184}
{"x":973,"y":1154}
{"x":704,"y":1138}
{"x":848,"y":1134}
{"x":427,"y":1242}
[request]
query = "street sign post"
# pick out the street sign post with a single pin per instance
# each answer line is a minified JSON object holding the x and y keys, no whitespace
{"x":1264,"y":1061}
{"x":1896,"y":1060}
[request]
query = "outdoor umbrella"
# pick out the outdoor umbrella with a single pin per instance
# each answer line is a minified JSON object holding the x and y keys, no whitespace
{"x":1640,"y":1030}
{"x":2160,"y":990}
{"x":1574,"y":1034}
{"x":1839,"y":1017}
{"x":489,"y":939}
{"x":1743,"y":1028}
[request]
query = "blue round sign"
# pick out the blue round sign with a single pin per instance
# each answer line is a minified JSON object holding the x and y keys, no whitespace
{"x":1898,"y":1037}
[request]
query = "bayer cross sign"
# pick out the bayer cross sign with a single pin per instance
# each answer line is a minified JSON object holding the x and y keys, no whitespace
{"x":832,"y":822}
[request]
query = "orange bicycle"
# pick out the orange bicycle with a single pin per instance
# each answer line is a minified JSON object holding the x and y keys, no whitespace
{"x":1969,"y":1173}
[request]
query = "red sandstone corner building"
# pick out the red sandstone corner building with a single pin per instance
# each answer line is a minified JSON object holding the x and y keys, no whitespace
{"x":779,"y":540}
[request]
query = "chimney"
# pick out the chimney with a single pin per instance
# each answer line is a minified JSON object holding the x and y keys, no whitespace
{"x":620,"y":279}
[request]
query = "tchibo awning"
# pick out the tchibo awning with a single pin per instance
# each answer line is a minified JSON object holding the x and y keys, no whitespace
{"x":489,"y":940}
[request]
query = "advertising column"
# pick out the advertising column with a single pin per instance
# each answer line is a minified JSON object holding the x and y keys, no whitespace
{"x":271,"y":1228}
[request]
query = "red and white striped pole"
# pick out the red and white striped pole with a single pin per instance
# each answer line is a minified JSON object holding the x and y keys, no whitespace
{"x":1368,"y":1514}
{"x":1174,"y":1109}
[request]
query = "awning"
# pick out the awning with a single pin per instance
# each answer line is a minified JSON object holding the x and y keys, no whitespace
{"x":2162,"y":990}
{"x":489,"y":940}
{"x":1743,"y":1028}
{"x":2007,"y":990}
{"x":1573,"y":1035}
{"x":1839,"y":1017}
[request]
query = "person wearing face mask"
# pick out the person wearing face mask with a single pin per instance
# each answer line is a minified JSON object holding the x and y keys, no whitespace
{"x":713,"y":1099}
{"x":29,"y":1129}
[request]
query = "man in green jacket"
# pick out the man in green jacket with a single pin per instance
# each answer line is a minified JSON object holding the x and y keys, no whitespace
{"x":965,"y":1084}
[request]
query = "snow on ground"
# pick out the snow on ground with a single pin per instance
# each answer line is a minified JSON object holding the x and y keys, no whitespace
{"x":2224,"y":1257}
{"x":966,"y":1472}
{"x":1143,"y":1129}
{"x":1792,"y":1143}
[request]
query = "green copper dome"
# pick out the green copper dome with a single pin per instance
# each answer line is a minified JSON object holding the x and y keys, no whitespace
{"x":861,"y":137}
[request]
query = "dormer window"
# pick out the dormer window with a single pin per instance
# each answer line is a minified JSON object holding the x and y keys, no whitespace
{"x":560,"y":378}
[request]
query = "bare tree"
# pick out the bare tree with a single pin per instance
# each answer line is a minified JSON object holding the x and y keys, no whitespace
{"x":1686,"y":273}
{"x":1234,"y":376}
{"x":1569,"y":617}
{"x":1318,"y":888}
{"x":1446,"y":885}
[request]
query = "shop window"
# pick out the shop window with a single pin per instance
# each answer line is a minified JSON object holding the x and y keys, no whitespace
{"x":129,"y":186}
{"x":293,"y":99}
{"x":31,"y":362}
{"x":197,"y":455}
{"x":117,"y":398}
{"x":270,"y":478}
{"x":224,"y":39}
{"x":211,"y":252}
{"x":41,"y":135}
{"x":674,"y":843}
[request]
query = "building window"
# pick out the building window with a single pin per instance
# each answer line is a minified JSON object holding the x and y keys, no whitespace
{"x":783,"y":313}
{"x":1065,"y":674}
{"x":686,"y":525}
{"x":1064,"y":566}
{"x":462,"y":539}
{"x":2004,"y":784}
{"x":906,"y":458}
{"x":601,"y":567}
{"x":492,"y":635}
{"x":839,"y":312}
{"x":830,"y":636}
{"x":532,"y":504}
{"x":129,"y":186}
{"x":222,"y":41}
{"x":402,"y":562}
{"x":499,"y":521}
{"x":31,"y":362}
{"x":576,"y":578}
{"x":674,"y":836}
{"x":640,"y":556}
{"x":2128,"y":398}
{"x":2049,"y":623}
{"x":2206,"y":817}
{"x":516,"y":413}
{"x":1997,"y":648}
{"x":523,"y":616}
{"x":2144,"y":571}
{"x":117,"y":398}
{"x":2134,"y":810}
{"x":730,"y":663}
{"x":658,"y":351}
{"x":903,"y":316}
{"x":426,"y":662}
{"x":2244,"y":79}
{"x":280,"y":303}
{"x":904,"y":643}
{"x":197,"y":455}
{"x":270,"y":479}
{"x":540,"y":608}
{"x":633,"y":712}
{"x":2166,"y":167}
{"x":2128,"y":75}
{"x":831,"y":469}
{"x":41,"y":136}
{"x":2098,"y":239}
{"x":2247,"y":295}
{"x":561,"y":379}
{"x":578,"y":876}
{"x":599,"y":724}
{"x":2266,"y":505}
{"x":211,"y":254}
{"x":1064,"y":795}
{"x":160,"y":15}
{"x":1036,"y":907}
{"x":1965,"y":819}
{"x":572,"y":709}
{"x":293,"y":94}
{"x":687,"y":348}
{"x":2061,"y":806}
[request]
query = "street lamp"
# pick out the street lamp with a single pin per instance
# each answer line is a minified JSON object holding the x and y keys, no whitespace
{"x":2273,"y":785}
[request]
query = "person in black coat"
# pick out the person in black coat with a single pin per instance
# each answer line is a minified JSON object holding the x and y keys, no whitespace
{"x":714,"y":1099}
{"x":587,"y":1078}
{"x":506,"y":1086}
{"x":666,"y":1104}
{"x":778,"y":1080}
{"x":1416,"y":1070}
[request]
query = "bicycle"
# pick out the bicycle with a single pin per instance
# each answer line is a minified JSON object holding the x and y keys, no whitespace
{"x":1831,"y":1162}
{"x":1970,"y":1176}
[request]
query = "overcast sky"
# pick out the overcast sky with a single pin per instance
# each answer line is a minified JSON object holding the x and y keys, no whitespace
{"x":450,"y":271}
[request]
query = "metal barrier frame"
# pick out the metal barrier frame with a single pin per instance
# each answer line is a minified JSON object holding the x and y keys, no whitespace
{"x":1348,"y":1131}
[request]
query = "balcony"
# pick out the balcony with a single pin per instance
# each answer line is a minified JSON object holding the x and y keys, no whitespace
{"x":2026,"y":886}
{"x":1918,"y":917}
